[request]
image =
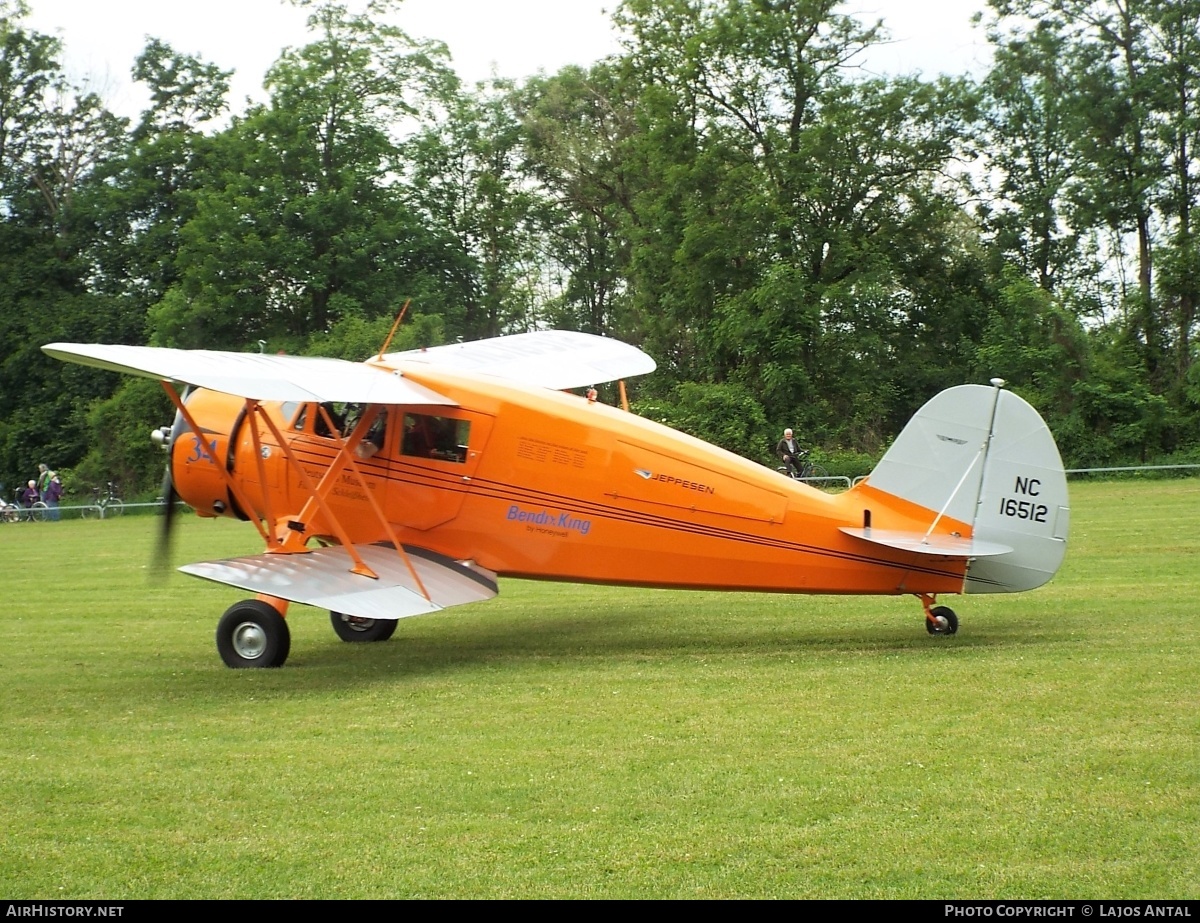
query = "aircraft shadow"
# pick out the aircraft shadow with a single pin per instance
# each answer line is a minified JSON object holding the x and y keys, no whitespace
{"x":587,"y":638}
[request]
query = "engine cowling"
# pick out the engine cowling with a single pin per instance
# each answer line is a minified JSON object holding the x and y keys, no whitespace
{"x":198,"y":481}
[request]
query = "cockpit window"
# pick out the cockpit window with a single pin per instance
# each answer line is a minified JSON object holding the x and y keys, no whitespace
{"x":335,"y":413}
{"x":288,"y":410}
{"x":372,"y":442}
{"x":344,"y":418}
{"x":443,"y":438}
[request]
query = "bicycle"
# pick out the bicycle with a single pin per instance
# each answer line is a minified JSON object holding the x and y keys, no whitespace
{"x":105,"y":503}
{"x":18,"y":512}
{"x":807,"y":470}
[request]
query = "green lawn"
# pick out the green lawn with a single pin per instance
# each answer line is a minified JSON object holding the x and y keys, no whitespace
{"x":566,"y":741}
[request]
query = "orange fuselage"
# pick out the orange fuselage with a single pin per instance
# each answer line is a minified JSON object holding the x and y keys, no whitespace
{"x":543,"y":484}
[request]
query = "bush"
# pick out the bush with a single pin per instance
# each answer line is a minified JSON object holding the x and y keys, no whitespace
{"x":725,"y":415}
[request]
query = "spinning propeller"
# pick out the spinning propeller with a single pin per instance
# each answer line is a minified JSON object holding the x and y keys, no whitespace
{"x":165,"y":437}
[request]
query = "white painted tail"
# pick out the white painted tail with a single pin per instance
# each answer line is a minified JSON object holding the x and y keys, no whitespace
{"x":984,"y":456}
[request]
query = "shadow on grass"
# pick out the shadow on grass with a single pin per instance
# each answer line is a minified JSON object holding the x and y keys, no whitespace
{"x":447,"y":643}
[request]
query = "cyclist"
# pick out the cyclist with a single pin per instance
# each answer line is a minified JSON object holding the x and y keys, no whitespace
{"x":30,"y":495}
{"x":790,"y":453}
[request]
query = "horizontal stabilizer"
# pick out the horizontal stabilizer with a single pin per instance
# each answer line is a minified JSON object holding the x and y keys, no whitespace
{"x":557,"y":359}
{"x":919,"y":542}
{"x":254,"y":375}
{"x":322,"y":578}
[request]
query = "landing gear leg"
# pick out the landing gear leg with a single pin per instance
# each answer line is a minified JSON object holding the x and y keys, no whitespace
{"x":939,"y":620}
{"x":252,"y":633}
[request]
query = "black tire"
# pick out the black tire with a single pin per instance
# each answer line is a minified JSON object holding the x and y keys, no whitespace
{"x":38,"y":511}
{"x":252,"y":634}
{"x":89,"y":512}
{"x":815,"y":471}
{"x":9,"y":514}
{"x":351,"y":628}
{"x":946,"y":621}
{"x":112,"y":508}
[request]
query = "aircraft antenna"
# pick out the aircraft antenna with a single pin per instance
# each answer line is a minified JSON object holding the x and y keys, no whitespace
{"x":391,"y":333}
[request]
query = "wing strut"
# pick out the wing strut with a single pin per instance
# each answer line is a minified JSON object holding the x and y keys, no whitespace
{"x":293,"y":541}
{"x":345,"y":457}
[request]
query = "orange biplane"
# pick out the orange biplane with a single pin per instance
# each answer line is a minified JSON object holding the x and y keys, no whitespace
{"x":407,"y":483}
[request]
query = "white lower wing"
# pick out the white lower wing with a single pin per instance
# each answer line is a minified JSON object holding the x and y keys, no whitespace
{"x":252,"y":375}
{"x":322,"y":578}
{"x":557,"y":359}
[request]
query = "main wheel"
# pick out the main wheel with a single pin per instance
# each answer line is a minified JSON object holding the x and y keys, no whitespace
{"x":353,"y":628}
{"x":945,"y":621}
{"x":252,"y":634}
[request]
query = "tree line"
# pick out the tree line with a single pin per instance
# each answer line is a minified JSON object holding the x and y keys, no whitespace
{"x":795,"y":241}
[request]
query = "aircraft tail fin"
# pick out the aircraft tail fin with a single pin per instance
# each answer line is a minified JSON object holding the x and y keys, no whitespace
{"x":984,"y":456}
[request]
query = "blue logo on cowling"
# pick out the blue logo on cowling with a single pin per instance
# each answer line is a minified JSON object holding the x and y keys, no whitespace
{"x":200,"y":451}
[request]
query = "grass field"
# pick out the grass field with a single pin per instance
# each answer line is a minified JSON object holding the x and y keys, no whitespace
{"x":567,"y":741}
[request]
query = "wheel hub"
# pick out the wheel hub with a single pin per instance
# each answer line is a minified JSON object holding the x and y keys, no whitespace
{"x":249,"y":640}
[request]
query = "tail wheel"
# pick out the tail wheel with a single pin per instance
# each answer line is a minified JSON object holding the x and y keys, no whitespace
{"x":941,"y":621}
{"x":352,"y":628}
{"x":252,"y":633}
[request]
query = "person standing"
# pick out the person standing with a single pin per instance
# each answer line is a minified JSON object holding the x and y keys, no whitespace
{"x":52,"y":494}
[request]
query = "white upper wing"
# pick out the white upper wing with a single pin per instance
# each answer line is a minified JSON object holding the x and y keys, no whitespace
{"x":557,"y":359}
{"x":258,"y":376}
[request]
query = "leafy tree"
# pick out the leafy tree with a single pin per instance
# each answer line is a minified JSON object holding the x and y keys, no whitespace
{"x":1127,"y":88}
{"x":467,"y":180}
{"x":582,"y":141}
{"x":53,"y":142}
{"x":725,"y":415}
{"x":29,"y":73}
{"x":775,"y":198}
{"x":300,"y":221}
{"x":1030,"y":124}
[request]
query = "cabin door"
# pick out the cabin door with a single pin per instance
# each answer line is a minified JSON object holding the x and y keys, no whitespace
{"x":434,"y":457}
